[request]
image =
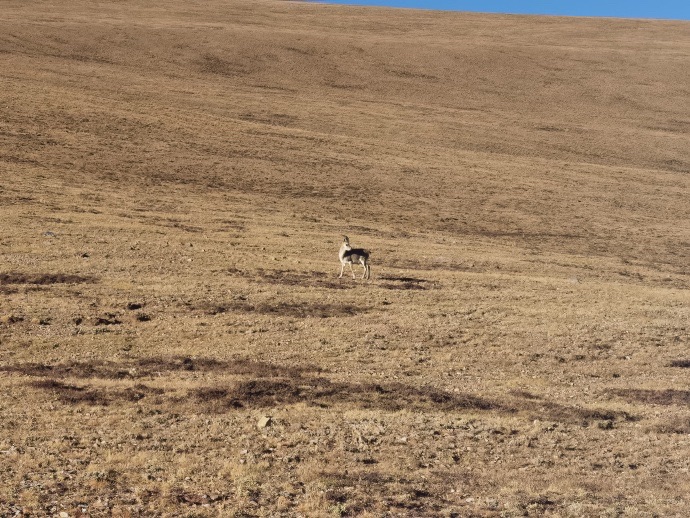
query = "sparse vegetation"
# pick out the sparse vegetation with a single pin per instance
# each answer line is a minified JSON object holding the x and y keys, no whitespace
{"x":176,"y":179}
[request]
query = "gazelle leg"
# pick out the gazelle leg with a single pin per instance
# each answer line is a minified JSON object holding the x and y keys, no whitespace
{"x":342,"y":267}
{"x":352,"y":271}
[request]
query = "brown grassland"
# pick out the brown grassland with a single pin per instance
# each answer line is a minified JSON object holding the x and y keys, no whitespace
{"x":175,"y":181}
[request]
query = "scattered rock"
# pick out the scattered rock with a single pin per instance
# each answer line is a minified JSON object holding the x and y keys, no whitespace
{"x":265,"y":421}
{"x":606,"y":425}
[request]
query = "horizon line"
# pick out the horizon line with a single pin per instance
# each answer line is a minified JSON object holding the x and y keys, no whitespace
{"x":406,"y":5}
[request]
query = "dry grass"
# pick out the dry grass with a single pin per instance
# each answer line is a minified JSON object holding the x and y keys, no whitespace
{"x":175,"y":181}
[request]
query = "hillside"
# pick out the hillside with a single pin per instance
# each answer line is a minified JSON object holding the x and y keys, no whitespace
{"x":175,"y":181}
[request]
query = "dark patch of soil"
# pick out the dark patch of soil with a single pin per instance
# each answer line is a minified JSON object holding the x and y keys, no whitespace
{"x":108,"y":320}
{"x":154,"y":365}
{"x":290,"y":309}
{"x":656,"y":397}
{"x":43,"y":278}
{"x":273,"y":386}
{"x":547,"y":410}
{"x":72,"y":394}
{"x":75,"y":394}
{"x":404,"y":286}
{"x":403,"y":279}
{"x":322,"y":392}
{"x":404,"y":283}
{"x":138,"y":392}
{"x":312,"y":279}
{"x":75,"y":369}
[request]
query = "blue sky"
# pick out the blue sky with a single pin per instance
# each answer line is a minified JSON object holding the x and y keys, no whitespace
{"x":660,"y":9}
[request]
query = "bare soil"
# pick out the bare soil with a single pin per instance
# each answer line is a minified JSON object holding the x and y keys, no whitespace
{"x":175,"y":181}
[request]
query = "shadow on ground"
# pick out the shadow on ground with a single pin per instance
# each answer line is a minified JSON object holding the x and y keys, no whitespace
{"x":264,"y":385}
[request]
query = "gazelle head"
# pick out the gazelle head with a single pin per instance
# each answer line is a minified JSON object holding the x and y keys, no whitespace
{"x":346,"y":243}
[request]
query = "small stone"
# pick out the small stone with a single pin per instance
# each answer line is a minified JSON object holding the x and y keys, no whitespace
{"x":264,"y":421}
{"x":63,"y":514}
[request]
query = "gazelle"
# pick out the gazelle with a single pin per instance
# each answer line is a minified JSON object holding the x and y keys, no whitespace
{"x":350,"y":256}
